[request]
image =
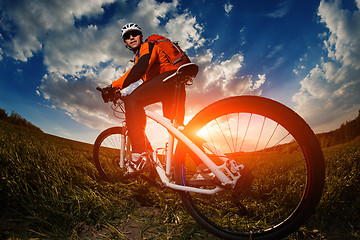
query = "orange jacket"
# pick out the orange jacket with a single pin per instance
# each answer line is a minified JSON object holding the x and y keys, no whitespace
{"x":150,"y":61}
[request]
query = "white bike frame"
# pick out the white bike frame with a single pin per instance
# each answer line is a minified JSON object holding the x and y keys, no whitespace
{"x":227,"y":180}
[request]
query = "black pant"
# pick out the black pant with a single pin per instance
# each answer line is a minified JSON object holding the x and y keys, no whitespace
{"x":150,"y":92}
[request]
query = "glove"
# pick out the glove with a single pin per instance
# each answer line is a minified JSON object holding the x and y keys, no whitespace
{"x":109,"y":94}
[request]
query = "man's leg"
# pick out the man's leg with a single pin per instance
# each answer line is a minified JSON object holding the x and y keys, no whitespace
{"x":169,"y":101}
{"x":152,"y":91}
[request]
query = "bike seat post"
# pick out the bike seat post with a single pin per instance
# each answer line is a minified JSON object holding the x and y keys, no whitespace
{"x":175,"y":118}
{"x":175,"y":122}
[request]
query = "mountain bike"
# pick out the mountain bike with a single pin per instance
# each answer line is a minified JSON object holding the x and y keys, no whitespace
{"x":245,"y":167}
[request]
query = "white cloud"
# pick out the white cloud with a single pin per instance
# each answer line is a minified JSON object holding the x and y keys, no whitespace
{"x":50,"y":26}
{"x":282,"y":9}
{"x":259,"y":82}
{"x":329,"y":94}
{"x":2,"y":39}
{"x":220,"y":79}
{"x":79,"y":57}
{"x":36,"y":19}
{"x":228,"y":7}
{"x":70,"y":52}
{"x":184,"y":29}
{"x":78,"y":98}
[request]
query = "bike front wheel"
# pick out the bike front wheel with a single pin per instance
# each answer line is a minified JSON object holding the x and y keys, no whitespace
{"x":282,"y":180}
{"x":107,"y":151}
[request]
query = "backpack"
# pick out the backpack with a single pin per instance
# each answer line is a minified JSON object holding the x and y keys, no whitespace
{"x":174,"y":53}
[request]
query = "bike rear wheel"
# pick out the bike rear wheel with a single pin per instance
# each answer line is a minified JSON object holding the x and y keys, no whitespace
{"x":283,"y":178}
{"x":106,"y":153}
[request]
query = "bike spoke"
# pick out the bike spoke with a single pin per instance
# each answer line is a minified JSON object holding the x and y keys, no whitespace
{"x":247,"y":128}
{"x":262,"y":128}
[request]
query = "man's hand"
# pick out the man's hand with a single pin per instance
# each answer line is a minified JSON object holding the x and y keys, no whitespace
{"x":109,"y":94}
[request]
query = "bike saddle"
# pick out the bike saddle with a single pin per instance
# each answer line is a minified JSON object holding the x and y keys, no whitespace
{"x":184,"y":72}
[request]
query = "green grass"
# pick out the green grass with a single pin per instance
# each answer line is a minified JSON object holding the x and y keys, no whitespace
{"x":338,"y":214}
{"x":50,"y":189}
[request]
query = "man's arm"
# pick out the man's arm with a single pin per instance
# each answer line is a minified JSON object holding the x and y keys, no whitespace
{"x":138,"y":70}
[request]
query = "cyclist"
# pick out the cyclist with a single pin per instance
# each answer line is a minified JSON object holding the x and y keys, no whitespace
{"x":152,"y":66}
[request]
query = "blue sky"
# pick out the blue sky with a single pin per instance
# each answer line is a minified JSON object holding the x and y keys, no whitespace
{"x":305,"y":54}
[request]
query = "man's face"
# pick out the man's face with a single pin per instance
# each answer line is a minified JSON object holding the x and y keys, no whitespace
{"x":133,"y":39}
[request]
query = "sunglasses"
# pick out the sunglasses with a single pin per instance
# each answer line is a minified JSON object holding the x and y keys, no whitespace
{"x":131,"y":33}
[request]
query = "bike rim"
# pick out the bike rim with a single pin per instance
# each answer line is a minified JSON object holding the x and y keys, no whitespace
{"x":277,"y":162}
{"x":108,"y":155}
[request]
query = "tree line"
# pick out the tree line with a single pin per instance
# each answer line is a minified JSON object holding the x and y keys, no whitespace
{"x":347,"y":132}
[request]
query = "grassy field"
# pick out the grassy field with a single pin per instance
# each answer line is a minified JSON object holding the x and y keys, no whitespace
{"x":50,"y":190}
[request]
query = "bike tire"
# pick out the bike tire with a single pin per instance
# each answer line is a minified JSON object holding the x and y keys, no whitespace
{"x":282,"y":185}
{"x":106,"y":153}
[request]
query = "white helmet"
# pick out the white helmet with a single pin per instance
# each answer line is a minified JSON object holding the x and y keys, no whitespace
{"x":128,"y":27}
